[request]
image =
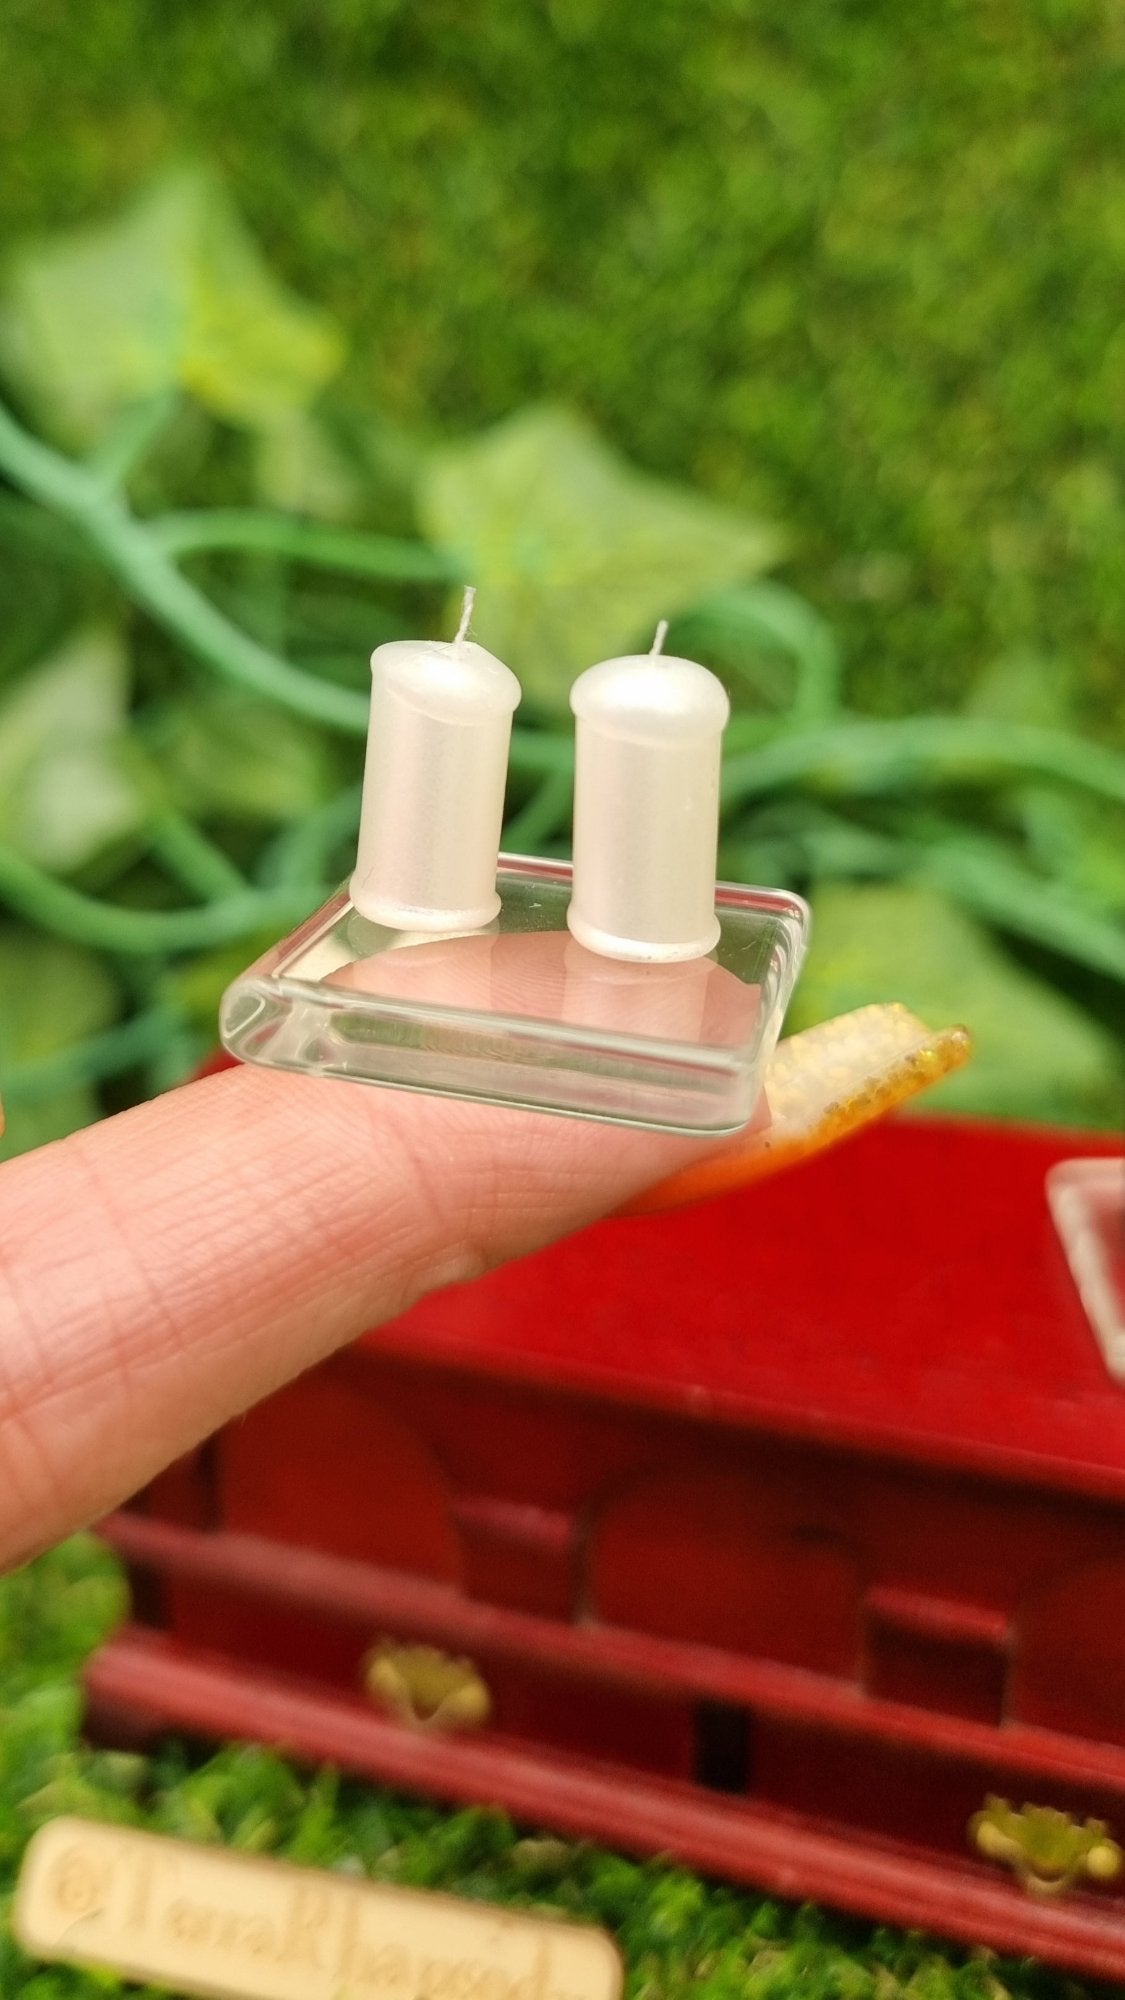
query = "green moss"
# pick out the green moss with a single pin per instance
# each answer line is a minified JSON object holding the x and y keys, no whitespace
{"x":677,"y":1934}
{"x":859,"y":267}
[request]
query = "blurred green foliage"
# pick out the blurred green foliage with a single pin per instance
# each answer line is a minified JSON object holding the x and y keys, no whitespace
{"x":844,"y":285}
{"x":182,"y":715}
{"x":911,"y":941}
{"x":856,"y":267}
{"x":204,"y":313}
{"x":843,"y":288}
{"x":574,"y":556}
{"x":677,"y":1934}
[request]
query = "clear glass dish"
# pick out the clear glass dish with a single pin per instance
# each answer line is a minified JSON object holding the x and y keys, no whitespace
{"x":521,"y":1014}
{"x":1087,"y":1203}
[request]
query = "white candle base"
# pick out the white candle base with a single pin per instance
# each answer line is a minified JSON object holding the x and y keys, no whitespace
{"x":635,"y":950}
{"x":408,"y":917}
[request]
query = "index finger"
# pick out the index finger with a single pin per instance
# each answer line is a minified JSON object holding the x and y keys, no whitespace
{"x":162,"y":1271}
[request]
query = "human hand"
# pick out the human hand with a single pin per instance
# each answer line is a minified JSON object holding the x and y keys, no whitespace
{"x":164,"y":1270}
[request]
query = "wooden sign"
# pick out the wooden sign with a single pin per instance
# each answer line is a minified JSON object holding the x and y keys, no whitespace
{"x":228,"y":1926}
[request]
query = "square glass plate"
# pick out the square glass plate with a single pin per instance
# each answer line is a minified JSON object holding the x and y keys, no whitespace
{"x":521,"y":1014}
{"x":1087,"y":1203}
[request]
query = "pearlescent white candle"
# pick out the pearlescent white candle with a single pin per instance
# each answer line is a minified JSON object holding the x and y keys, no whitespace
{"x":646,"y":807}
{"x":433,"y":786}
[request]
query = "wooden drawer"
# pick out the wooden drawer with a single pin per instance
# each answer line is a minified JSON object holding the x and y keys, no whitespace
{"x":781,"y":1562}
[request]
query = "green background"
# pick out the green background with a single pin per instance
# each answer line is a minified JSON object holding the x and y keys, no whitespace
{"x":851,"y":277}
{"x":858,"y":266}
{"x":847,"y":278}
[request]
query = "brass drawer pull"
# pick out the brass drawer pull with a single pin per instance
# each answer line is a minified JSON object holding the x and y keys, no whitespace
{"x":1049,"y":1851}
{"x":426,"y":1688}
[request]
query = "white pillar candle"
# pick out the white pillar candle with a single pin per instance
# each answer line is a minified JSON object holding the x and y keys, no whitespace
{"x":646,"y":807}
{"x":433,"y":786}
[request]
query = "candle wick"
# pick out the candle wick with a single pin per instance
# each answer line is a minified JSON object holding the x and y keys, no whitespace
{"x":657,"y":645}
{"x":467,"y":603}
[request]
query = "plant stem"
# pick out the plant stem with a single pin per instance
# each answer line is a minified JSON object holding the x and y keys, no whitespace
{"x":154,"y":583}
{"x":768,"y":615}
{"x":130,"y":550}
{"x":975,"y":872}
{"x":985,"y":880}
{"x":54,"y":906}
{"x":197,"y":864}
{"x":135,"y":431}
{"x":124,"y":1047}
{"x":855,"y":758}
{"x":300,"y":853}
{"x":381,"y":557}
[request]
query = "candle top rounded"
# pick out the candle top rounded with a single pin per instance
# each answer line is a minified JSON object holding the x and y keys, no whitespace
{"x":456,"y":681}
{"x":651,"y":695}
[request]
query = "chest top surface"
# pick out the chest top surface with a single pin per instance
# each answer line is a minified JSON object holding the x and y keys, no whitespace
{"x":905,"y":1293}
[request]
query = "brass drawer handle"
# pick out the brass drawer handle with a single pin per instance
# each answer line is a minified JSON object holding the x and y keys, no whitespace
{"x":426,"y":1688}
{"x":1049,"y":1851}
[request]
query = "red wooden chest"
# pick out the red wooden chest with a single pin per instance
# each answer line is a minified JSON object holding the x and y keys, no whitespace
{"x":782,"y":1530}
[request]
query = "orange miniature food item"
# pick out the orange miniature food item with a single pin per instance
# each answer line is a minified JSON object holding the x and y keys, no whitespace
{"x":821,"y":1086}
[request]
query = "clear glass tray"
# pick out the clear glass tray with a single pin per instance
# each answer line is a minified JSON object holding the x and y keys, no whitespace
{"x":521,"y":1014}
{"x":1087,"y":1203}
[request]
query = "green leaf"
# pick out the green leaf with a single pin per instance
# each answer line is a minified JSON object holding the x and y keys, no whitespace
{"x":748,"y":630}
{"x":1036,"y":1054}
{"x":174,"y":291}
{"x":67,"y":785}
{"x":52,"y":995}
{"x":1080,"y":841}
{"x":45,"y":571}
{"x":299,"y":468}
{"x":224,"y":753}
{"x":1024,"y":688}
{"x":575,"y":555}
